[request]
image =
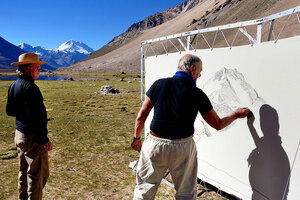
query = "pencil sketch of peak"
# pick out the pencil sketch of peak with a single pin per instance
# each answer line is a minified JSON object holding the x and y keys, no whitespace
{"x":228,"y":90}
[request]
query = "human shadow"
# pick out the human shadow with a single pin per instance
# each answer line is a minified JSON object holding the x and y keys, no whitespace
{"x":269,"y":166}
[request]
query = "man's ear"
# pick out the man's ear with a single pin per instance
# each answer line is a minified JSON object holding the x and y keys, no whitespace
{"x":192,"y":69}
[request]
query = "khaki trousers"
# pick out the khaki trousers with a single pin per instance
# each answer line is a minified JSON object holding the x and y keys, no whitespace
{"x":34,"y":168}
{"x":156,"y":156}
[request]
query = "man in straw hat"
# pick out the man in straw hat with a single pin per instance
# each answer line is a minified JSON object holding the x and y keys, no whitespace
{"x":25,"y":102}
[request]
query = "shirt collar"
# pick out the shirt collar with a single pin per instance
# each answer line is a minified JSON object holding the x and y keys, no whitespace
{"x":186,"y":76}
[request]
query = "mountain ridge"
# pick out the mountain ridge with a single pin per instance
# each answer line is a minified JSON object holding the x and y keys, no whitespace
{"x":204,"y":14}
{"x":149,"y":22}
{"x":9,"y":53}
{"x":72,"y":46}
{"x":65,"y":55}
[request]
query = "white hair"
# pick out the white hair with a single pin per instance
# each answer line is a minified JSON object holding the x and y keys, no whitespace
{"x":187,"y":61}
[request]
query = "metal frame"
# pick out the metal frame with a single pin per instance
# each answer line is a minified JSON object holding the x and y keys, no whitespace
{"x":240,"y":26}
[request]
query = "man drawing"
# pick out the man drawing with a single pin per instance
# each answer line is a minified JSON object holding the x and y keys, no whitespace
{"x":170,"y":145}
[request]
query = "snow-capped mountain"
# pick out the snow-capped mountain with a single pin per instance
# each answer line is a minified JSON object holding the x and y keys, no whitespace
{"x":24,"y":46}
{"x":65,"y":55}
{"x":72,"y":46}
{"x":41,"y":51}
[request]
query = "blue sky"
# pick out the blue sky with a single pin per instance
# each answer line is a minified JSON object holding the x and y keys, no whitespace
{"x":49,"y":23}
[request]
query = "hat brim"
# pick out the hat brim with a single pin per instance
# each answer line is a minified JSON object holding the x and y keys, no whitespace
{"x":28,"y":62}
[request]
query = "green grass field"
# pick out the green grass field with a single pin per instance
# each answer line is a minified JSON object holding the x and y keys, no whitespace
{"x":91,"y":137}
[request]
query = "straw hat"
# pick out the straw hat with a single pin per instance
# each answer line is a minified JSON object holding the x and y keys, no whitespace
{"x":28,"y":58}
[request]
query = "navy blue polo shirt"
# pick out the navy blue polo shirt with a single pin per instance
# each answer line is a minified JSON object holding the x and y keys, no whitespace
{"x":25,"y":102}
{"x":176,"y":104}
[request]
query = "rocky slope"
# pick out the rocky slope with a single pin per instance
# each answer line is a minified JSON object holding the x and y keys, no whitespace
{"x":123,"y":52}
{"x":136,"y":29}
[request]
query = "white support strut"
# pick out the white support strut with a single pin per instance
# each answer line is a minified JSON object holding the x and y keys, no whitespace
{"x":226,"y":27}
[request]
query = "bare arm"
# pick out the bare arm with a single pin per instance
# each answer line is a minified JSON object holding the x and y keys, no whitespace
{"x":218,"y":123}
{"x":140,"y":122}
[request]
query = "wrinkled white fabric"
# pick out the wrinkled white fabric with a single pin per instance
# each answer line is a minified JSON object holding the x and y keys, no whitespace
{"x":156,"y":157}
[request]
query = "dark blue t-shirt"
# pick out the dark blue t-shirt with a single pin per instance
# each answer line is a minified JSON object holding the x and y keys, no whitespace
{"x":176,"y":104}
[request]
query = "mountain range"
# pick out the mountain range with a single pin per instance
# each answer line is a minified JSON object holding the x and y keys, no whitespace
{"x":136,"y":29}
{"x":65,"y":55}
{"x":122,"y":53}
{"x":8,"y":53}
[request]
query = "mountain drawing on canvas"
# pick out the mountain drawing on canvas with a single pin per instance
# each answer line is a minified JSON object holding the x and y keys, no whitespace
{"x":227,"y":90}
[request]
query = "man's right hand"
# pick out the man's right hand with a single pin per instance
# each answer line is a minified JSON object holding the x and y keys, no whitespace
{"x":241,"y":112}
{"x":48,"y":146}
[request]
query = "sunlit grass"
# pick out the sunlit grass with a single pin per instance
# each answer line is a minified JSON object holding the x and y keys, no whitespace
{"x":91,"y":136}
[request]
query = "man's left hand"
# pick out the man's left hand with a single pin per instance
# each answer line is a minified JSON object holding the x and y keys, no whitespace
{"x":48,"y":146}
{"x":136,"y":144}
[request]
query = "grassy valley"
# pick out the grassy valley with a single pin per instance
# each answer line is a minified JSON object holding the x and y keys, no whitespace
{"x":91,"y":134}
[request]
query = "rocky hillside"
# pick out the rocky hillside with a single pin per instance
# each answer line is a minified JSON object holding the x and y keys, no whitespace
{"x":123,"y":52}
{"x":136,"y":29}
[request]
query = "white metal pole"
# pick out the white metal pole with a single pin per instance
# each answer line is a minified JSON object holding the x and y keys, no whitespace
{"x":142,"y":72}
{"x":188,"y":42}
{"x":258,"y":35}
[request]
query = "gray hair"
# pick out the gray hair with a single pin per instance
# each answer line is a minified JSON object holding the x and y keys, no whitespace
{"x":20,"y":69}
{"x":187,"y":61}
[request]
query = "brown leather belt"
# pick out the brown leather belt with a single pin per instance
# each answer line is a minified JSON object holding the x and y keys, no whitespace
{"x":155,"y":134}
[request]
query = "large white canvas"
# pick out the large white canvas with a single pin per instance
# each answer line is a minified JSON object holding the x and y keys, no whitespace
{"x":245,"y":76}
